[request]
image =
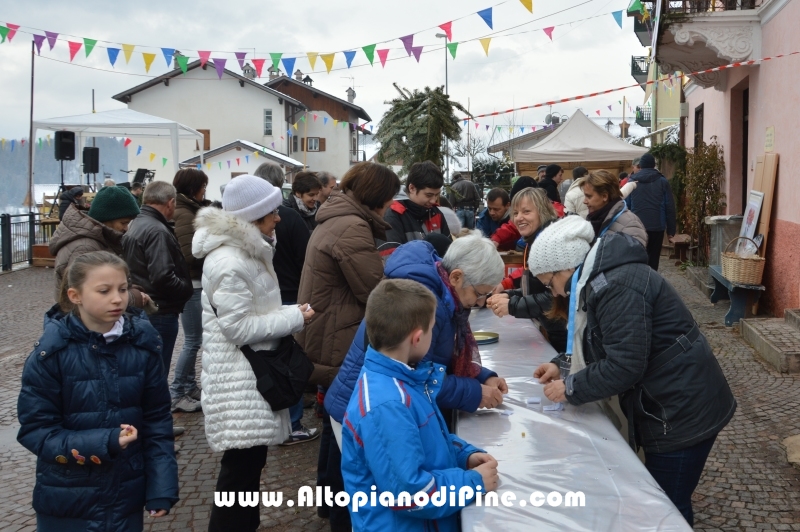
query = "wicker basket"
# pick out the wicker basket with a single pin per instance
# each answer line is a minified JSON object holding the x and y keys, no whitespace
{"x":742,"y":270}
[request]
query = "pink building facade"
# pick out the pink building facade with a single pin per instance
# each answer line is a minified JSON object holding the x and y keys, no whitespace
{"x":738,"y":110}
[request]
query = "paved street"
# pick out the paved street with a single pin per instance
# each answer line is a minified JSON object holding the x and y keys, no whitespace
{"x":747,"y":485}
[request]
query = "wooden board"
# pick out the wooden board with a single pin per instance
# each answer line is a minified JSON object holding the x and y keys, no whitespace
{"x":764,"y":181}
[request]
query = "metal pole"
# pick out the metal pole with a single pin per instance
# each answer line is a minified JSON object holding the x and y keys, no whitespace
{"x":31,"y":235}
{"x":447,"y":93}
{"x":32,"y":201}
{"x":5,"y":241}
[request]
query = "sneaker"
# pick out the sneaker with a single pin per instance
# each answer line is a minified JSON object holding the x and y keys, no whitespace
{"x":195,"y":394}
{"x":186,"y":404}
{"x":301,"y":436}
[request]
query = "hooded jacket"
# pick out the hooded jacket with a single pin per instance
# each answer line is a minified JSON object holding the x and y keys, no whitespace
{"x":670,"y":384}
{"x":77,"y":389}
{"x":308,"y":219}
{"x":416,"y":261}
{"x":652,"y":201}
{"x":240,"y":283}
{"x":76,"y":235}
{"x":408,"y":221}
{"x":573,"y":199}
{"x":70,"y":197}
{"x":156,"y":261}
{"x":464,"y":195}
{"x":185,"y":210}
{"x":342,"y":267}
{"x":394,"y":437}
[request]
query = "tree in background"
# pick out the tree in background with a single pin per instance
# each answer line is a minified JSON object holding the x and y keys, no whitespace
{"x":415,"y":127}
{"x":703,"y":189}
{"x":492,"y":172}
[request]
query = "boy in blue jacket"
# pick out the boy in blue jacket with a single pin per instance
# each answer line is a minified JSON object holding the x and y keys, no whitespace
{"x":394,"y":436}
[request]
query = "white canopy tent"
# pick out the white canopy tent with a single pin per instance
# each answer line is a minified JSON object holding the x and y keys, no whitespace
{"x":121,"y":123}
{"x":579,"y":140}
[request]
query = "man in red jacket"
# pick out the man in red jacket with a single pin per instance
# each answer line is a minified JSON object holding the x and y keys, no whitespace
{"x":414,"y":213}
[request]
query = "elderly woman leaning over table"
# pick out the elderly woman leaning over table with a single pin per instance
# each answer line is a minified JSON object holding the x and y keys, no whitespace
{"x":630,"y":334}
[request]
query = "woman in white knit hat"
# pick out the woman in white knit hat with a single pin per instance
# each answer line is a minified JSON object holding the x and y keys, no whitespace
{"x":241,"y":306}
{"x":631,"y":335}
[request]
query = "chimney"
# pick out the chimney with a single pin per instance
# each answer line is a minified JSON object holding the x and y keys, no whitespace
{"x":298,"y":75}
{"x":351,"y":95}
{"x":274,"y":73}
{"x":249,"y":72}
{"x":175,"y":55}
{"x":308,"y":81}
{"x":623,"y":130}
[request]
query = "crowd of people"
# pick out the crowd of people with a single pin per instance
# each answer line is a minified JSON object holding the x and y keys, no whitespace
{"x":392,"y":271}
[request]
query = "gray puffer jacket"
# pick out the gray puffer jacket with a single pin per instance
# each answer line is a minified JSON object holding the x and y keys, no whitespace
{"x":626,"y":223}
{"x":642,"y":343}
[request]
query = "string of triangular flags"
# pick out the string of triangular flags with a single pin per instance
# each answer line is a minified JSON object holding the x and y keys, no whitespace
{"x":177,"y":60}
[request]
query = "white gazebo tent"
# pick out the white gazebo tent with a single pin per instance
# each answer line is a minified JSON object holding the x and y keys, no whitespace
{"x":579,"y":142}
{"x":121,"y":123}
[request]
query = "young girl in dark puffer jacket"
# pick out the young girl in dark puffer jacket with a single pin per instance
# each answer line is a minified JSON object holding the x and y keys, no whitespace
{"x":95,"y":409}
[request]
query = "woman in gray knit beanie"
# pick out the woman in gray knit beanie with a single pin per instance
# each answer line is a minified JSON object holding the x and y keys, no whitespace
{"x":633,"y":336}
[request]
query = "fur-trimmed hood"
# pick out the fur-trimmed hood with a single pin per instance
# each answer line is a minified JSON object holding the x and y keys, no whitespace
{"x":216,"y":228}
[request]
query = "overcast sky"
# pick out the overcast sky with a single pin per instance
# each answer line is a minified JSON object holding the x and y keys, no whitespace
{"x":522,"y":69}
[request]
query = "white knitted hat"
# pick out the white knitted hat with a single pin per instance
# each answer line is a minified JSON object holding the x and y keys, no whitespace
{"x":250,"y":197}
{"x":561,"y":246}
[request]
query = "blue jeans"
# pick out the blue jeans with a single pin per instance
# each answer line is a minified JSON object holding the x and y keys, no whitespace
{"x":184,"y":382}
{"x":167,"y":326}
{"x":679,"y":472}
{"x":466,"y":217}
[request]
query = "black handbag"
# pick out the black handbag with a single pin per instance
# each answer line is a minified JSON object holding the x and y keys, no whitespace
{"x":282,"y":373}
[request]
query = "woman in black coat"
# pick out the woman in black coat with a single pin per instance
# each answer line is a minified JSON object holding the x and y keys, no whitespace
{"x":633,"y":337}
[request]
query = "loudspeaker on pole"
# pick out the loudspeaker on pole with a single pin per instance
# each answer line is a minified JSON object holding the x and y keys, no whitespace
{"x":91,"y":160}
{"x":65,"y":146}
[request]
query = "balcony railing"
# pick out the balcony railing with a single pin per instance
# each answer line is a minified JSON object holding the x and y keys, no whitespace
{"x":640,"y":67}
{"x":18,"y":234}
{"x":644,"y":116}
{"x":707,"y":6}
{"x":357,"y":156}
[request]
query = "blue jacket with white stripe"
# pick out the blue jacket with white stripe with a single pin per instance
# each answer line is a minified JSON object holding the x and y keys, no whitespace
{"x":395,"y":438}
{"x":416,"y":261}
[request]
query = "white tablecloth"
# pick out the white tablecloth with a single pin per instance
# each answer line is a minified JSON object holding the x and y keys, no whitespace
{"x":574,"y":450}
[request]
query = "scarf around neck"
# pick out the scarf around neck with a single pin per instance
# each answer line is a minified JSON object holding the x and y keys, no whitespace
{"x":302,"y":207}
{"x":597,"y":217}
{"x":466,"y":357}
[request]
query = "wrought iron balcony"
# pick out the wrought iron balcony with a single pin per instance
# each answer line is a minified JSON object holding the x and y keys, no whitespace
{"x":639,"y":68}
{"x":357,"y":156}
{"x":644,"y":116}
{"x":710,"y":6}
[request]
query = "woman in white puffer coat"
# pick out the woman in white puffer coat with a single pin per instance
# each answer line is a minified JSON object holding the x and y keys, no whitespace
{"x":239,"y":281}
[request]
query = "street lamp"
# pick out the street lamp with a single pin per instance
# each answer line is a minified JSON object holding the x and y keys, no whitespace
{"x":447,"y":93}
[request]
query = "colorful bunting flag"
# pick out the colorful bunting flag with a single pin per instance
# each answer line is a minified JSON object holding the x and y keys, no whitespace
{"x":240,"y":57}
{"x":168,"y":53}
{"x":485,"y":43}
{"x":13,"y":142}
{"x":276,"y":61}
{"x":328,"y":60}
{"x":48,"y":139}
{"x":4,"y":31}
{"x":199,"y":166}
{"x":447,"y":28}
{"x":370,"y":127}
{"x":528,"y":4}
{"x":417,"y":51}
{"x":229,"y":163}
{"x":127,"y":142}
{"x":74,"y":48}
{"x":220,"y":165}
{"x":295,"y":126}
{"x":12,"y":30}
{"x":487,"y":128}
{"x":324,"y":120}
{"x":382,"y":55}
{"x":635,"y":6}
{"x":452,"y":46}
{"x":312,"y":59}
{"x":303,"y":118}
{"x":598,"y":112}
{"x":148,"y":60}
{"x":477,"y":125}
{"x":549,"y":31}
{"x":618,"y":17}
{"x":183,"y":63}
{"x":237,"y":162}
{"x":369,"y":51}
{"x":139,"y":150}
{"x":219,"y":65}
{"x":247,"y":158}
{"x":208,"y":165}
{"x":315,"y":117}
{"x":127,"y":49}
{"x":335,"y":122}
{"x":273,"y":145}
{"x":609,"y":107}
{"x":152,"y":156}
{"x":349,"y":55}
{"x":486,"y":15}
{"x":259,"y":65}
{"x":163,"y":162}
{"x":112,"y":55}
{"x":408,"y":42}
{"x":288,"y":65}
{"x":40,"y":142}
{"x":88,"y":45}
{"x":38,"y":40}
{"x":254,"y":153}
{"x":204,"y":55}
{"x":522,"y":130}
{"x":51,"y":38}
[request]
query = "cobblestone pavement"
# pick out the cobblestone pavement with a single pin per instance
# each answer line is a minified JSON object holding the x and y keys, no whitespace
{"x":747,"y":484}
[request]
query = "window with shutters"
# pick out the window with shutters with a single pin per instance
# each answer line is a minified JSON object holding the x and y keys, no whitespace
{"x":312,"y":143}
{"x":294,"y":143}
{"x":268,"y":122}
